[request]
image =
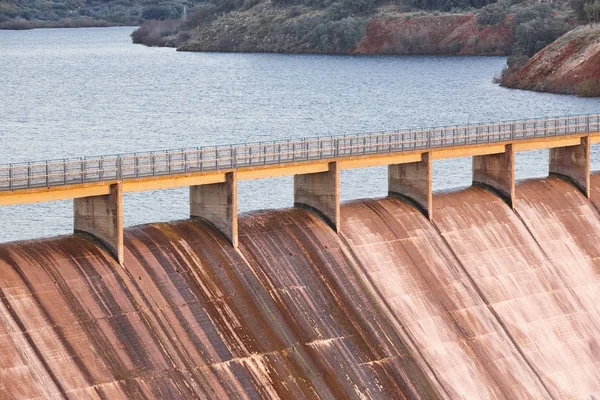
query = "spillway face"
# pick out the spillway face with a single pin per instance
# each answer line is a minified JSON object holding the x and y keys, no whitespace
{"x":311,"y":279}
{"x":535,"y":270}
{"x":483,"y":302}
{"x":428,"y":293}
{"x":178,"y":322}
{"x":560,"y":324}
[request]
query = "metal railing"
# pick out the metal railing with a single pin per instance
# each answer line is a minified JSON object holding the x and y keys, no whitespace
{"x":50,"y":173}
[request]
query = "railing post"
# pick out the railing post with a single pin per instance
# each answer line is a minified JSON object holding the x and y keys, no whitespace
{"x":119,"y":165}
{"x":185,"y":160}
{"x":587,"y":124}
{"x":65,"y":170}
{"x":294,"y":152}
{"x":82,"y":169}
{"x":265,"y":154}
{"x":429,"y":134}
{"x":279,"y":153}
{"x":47,"y":175}
{"x":307,"y":149}
{"x":250,"y":155}
{"x":28,"y":175}
{"x":10,"y":177}
{"x":201,"y":160}
{"x":101,"y":169}
{"x":137,"y":165}
{"x":216,"y":158}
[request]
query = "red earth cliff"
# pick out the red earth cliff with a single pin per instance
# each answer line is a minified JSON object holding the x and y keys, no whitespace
{"x":435,"y":34}
{"x":570,"y":64}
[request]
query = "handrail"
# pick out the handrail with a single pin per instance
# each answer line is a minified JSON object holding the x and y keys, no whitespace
{"x":50,"y":173}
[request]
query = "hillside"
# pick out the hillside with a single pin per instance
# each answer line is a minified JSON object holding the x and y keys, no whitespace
{"x":360,"y":27}
{"x":19,"y":14}
{"x":571,"y":64}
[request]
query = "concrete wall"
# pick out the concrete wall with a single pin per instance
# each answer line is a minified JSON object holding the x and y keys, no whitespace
{"x":573,"y":163}
{"x":413,"y":180}
{"x":102,"y":217}
{"x":498,"y":172}
{"x":321,"y":192}
{"x":217,"y":204}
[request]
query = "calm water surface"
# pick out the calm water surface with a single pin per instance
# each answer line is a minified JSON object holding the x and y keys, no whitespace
{"x":72,"y":92}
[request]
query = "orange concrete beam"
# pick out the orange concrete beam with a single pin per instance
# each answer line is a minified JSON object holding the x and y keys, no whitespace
{"x":594,"y":137}
{"x":547,"y":143}
{"x":172,"y":181}
{"x":55,"y":193}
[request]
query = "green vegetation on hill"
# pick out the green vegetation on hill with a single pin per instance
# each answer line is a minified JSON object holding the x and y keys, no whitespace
{"x":25,"y":14}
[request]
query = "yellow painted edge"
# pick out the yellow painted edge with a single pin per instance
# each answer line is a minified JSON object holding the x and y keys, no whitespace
{"x":379,"y":160}
{"x":475,"y":150}
{"x":172,"y":181}
{"x":272,"y":171}
{"x":55,"y":193}
{"x":546,"y":144}
{"x":594,"y":137}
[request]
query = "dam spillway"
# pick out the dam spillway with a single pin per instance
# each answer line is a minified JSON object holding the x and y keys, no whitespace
{"x":482,"y":302}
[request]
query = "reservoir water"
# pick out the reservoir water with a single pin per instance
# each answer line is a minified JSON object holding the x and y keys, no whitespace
{"x":72,"y":92}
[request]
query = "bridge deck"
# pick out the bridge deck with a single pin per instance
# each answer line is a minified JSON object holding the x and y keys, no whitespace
{"x":92,"y":176}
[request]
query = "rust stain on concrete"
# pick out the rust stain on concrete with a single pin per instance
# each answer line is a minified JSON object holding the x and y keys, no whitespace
{"x":483,"y":302}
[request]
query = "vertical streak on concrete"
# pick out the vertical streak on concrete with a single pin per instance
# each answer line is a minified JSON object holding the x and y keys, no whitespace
{"x":498,"y":172}
{"x":573,"y":163}
{"x":102,"y":217}
{"x":413,"y":181}
{"x":217,"y":204}
{"x":321,"y":192}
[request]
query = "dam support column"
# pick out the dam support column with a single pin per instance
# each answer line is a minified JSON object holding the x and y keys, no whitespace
{"x":217,"y":204}
{"x":102,"y":217}
{"x":573,"y":163}
{"x":320,"y":192}
{"x":497,"y":171}
{"x":413,"y":181}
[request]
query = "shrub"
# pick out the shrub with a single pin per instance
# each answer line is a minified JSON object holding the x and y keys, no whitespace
{"x":530,"y":37}
{"x":294,"y":12}
{"x":162,"y":12}
{"x":455,"y":47}
{"x":205,"y":13}
{"x":588,"y":88}
{"x":155,"y":32}
{"x":592,"y":11}
{"x":492,"y":14}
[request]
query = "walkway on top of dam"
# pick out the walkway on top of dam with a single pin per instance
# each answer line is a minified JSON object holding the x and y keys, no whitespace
{"x":88,"y":176}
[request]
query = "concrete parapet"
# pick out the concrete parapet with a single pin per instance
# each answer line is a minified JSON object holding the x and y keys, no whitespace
{"x":102,"y":217}
{"x":573,"y":163}
{"x":413,"y":181}
{"x":498,"y":172}
{"x":217,"y":204}
{"x":321,"y":192}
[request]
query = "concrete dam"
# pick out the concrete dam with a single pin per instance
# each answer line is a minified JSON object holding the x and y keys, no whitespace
{"x":493,"y":295}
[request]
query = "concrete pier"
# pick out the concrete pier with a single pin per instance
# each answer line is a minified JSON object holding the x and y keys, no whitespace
{"x":217,"y":204}
{"x":573,"y":163}
{"x":102,"y":217}
{"x":413,"y":181}
{"x":321,"y":192}
{"x":498,"y":172}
